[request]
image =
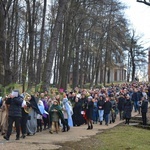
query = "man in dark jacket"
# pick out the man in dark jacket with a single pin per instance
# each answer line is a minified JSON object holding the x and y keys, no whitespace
{"x":107,"y":109}
{"x":14,"y":102}
{"x":121,"y":101}
{"x":136,"y":96}
{"x":144,"y":108}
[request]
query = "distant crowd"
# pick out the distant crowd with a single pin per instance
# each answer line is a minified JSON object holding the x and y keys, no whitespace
{"x":58,"y":112}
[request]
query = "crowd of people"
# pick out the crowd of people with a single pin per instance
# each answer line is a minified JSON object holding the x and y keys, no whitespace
{"x":27,"y":114}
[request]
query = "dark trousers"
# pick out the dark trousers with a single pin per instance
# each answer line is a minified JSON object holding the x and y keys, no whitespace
{"x":127,"y":121}
{"x":144,"y":118}
{"x":106,"y":116}
{"x":24,"y":124}
{"x":136,"y":106}
{"x":46,"y":121}
{"x":95,"y":116}
{"x":39,"y":124}
{"x":10,"y":125}
{"x":50,"y":121}
{"x":65,"y":124}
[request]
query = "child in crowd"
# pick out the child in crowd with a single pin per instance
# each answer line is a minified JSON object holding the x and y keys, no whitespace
{"x":55,"y":112}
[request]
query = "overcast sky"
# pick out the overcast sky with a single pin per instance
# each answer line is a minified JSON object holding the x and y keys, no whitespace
{"x":139,"y":16}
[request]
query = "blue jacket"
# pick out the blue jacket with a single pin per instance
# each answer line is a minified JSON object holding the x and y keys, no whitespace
{"x":15,"y":106}
{"x":136,"y":96}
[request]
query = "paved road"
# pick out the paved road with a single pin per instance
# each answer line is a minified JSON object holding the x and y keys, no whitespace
{"x":46,"y":141}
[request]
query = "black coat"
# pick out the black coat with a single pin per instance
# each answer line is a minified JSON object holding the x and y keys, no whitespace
{"x":77,"y":116}
{"x":15,"y":106}
{"x":121,"y":101}
{"x":34,"y":105}
{"x":107,"y":107}
{"x":136,"y":96}
{"x":83,"y":102}
{"x":100,"y":104}
{"x":127,"y":108}
{"x":144,"y":106}
{"x":89,"y":109}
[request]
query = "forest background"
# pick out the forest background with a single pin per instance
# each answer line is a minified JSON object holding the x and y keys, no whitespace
{"x":44,"y":43}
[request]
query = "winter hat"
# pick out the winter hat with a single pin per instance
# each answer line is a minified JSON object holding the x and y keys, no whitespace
{"x":90,"y":97}
{"x":15,"y":93}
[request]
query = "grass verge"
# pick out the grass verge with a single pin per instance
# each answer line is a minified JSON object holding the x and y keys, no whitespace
{"x":119,"y":138}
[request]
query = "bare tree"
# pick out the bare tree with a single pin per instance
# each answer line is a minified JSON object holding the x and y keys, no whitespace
{"x":39,"y":63}
{"x":146,"y":2}
{"x":4,"y":9}
{"x":53,"y":44}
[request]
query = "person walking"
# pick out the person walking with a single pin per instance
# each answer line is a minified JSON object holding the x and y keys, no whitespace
{"x":67,"y":113}
{"x":127,"y":109}
{"x":95,"y":111}
{"x":100,"y":104}
{"x":113,"y":110}
{"x":144,"y":109}
{"x":107,"y":109}
{"x":14,"y":113}
{"x":55,"y":113}
{"x":135,"y":99}
{"x":89,"y":112}
{"x":121,"y":101}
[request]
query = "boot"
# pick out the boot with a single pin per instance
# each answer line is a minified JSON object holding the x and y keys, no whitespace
{"x":91,"y":126}
{"x":64,"y":129}
{"x":6,"y":138}
{"x":88,"y":128}
{"x":37,"y":130}
{"x":50,"y":131}
{"x":100,"y":122}
{"x":68,"y":128}
{"x":23,"y":136}
{"x":17,"y":137}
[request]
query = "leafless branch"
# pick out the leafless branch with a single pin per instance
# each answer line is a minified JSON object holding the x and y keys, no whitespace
{"x":144,"y":2}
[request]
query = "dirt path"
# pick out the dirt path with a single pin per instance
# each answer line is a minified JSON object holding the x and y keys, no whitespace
{"x":46,"y":141}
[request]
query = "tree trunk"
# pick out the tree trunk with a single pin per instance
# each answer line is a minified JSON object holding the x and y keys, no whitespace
{"x":53,"y":45}
{"x":31,"y":21}
{"x":39,"y":63}
{"x":15,"y":60}
{"x":4,"y":8}
{"x":2,"y":41}
{"x":108,"y":75}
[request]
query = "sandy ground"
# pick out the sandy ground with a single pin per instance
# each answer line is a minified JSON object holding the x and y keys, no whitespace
{"x":46,"y":141}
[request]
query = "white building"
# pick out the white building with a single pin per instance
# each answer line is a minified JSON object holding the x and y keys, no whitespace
{"x":118,"y":73}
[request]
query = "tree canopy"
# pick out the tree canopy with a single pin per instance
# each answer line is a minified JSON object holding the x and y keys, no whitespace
{"x":65,"y":41}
